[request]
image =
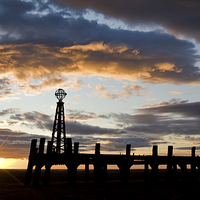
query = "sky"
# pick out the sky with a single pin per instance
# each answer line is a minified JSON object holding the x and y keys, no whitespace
{"x":131,"y":71}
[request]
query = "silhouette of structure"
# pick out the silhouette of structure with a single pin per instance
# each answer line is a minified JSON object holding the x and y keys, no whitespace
{"x":58,"y":135}
{"x":60,"y":152}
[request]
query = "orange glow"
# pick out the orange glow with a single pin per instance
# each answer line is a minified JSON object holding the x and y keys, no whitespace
{"x":13,"y":163}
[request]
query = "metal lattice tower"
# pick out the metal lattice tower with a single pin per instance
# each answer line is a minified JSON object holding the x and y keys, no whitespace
{"x":58,"y":134}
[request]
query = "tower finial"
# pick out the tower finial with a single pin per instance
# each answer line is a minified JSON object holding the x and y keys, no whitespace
{"x":60,"y":94}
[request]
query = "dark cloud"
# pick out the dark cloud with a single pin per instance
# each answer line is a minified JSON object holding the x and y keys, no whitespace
{"x":33,"y":22}
{"x":74,"y":127}
{"x":5,"y":87}
{"x":173,"y":126}
{"x":39,"y":120}
{"x":34,"y":119}
{"x":112,"y":144}
{"x":119,"y":144}
{"x":16,"y":144}
{"x":166,"y":118}
{"x":182,"y":108}
{"x":8,"y":111}
{"x":144,"y":129}
{"x":181,"y":17}
{"x":175,"y":118}
{"x":80,"y":115}
{"x":40,"y":45}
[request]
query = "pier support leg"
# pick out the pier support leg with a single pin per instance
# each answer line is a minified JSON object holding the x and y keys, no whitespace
{"x":31,"y":162}
{"x":72,"y":175}
{"x":104,"y":174}
{"x":146,"y":172}
{"x":86,"y":173}
{"x":100,"y":168}
{"x":175,"y":173}
{"x":47,"y":175}
{"x":39,"y":163}
{"x":28,"y":174}
{"x":100,"y":174}
{"x":36,"y":178}
{"x":154,"y":165}
{"x":193,"y":166}
{"x":184,"y":172}
{"x":169,"y":177}
{"x":125,"y":174}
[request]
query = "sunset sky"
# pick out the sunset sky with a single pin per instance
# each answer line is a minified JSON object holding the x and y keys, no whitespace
{"x":131,"y":70}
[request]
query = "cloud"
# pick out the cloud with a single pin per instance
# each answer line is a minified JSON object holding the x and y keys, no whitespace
{"x":188,"y":148}
{"x":172,"y":101}
{"x":182,"y":108}
{"x":79,"y":115}
{"x":6,"y":88}
{"x":77,"y":96}
{"x":143,"y":129}
{"x":38,"y":42}
{"x":164,"y":119}
{"x":8,"y":111}
{"x":172,"y":118}
{"x":176,"y":93}
{"x":128,"y":90}
{"x":179,"y":17}
{"x":131,"y":89}
{"x":119,"y":144}
{"x":94,"y":63}
{"x":16,"y":144}
{"x":42,"y":121}
{"x":102,"y":89}
{"x":77,"y":84}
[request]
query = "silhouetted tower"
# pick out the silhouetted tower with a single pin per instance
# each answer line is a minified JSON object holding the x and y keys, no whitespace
{"x":58,"y":135}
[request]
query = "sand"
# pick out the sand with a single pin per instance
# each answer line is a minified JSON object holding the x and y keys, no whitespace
{"x":12,"y":187}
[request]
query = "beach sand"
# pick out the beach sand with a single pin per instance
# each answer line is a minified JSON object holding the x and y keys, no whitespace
{"x":12,"y":187}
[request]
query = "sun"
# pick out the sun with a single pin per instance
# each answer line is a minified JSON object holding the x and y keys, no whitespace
{"x":6,"y":163}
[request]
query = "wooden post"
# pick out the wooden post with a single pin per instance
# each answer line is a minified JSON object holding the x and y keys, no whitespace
{"x":97,"y":165}
{"x":124,"y":165}
{"x":97,"y":149}
{"x":154,"y":164}
{"x":48,"y":164}
{"x":169,"y":164}
{"x":31,"y":162}
{"x":193,"y":166}
{"x":76,"y":146}
{"x":128,"y":149}
{"x":155,"y":151}
{"x":175,"y":173}
{"x":69,"y":145}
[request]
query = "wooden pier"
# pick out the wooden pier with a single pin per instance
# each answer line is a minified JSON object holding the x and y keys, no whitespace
{"x":72,"y":159}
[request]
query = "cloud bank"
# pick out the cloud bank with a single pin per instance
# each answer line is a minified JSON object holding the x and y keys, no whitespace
{"x":179,"y":17}
{"x":39,"y":42}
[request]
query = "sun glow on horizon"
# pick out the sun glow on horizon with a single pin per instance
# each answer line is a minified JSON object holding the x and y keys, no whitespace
{"x":13,"y":163}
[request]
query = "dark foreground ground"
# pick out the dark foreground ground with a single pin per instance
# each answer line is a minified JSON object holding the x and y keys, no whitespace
{"x":12,"y":187}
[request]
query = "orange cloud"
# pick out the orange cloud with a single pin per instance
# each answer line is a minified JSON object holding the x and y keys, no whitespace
{"x":48,"y":63}
{"x":163,"y":67}
{"x":128,"y":90}
{"x":175,"y":93}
